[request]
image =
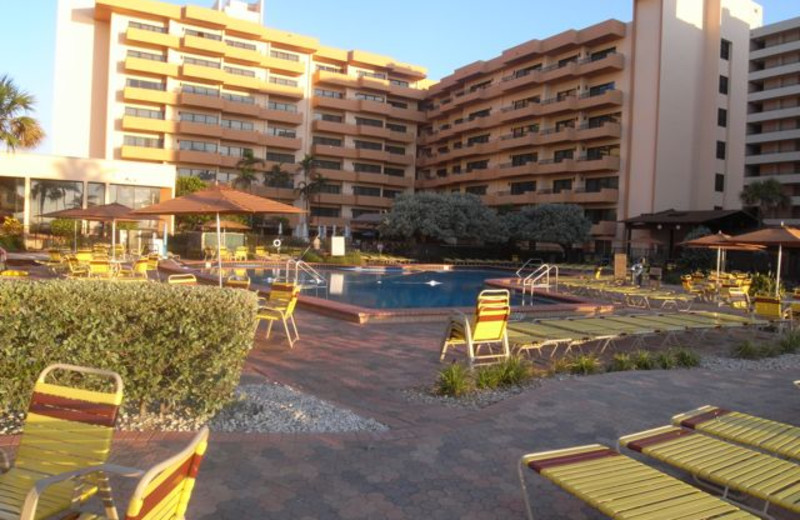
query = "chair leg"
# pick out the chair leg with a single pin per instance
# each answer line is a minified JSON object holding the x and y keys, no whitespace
{"x":294,"y":326}
{"x":269,"y":328}
{"x":288,"y":334}
{"x":521,"y":470}
{"x":104,"y":490}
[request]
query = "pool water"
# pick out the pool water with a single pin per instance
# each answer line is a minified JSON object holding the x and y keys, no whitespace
{"x":398,"y":289}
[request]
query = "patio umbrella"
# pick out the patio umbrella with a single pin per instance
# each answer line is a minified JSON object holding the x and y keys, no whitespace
{"x":721,"y":242}
{"x":106,"y":213}
{"x":230,"y":225}
{"x":783,"y":236}
{"x":218,"y":200}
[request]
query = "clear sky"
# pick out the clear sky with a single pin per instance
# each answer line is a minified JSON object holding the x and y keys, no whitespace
{"x":438,"y":34}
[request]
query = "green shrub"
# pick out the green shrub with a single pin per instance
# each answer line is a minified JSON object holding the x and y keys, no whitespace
{"x":665,"y":360}
{"x":454,"y":381}
{"x":748,"y":350}
{"x":789,"y":343}
{"x":686,"y":358}
{"x":488,"y":377}
{"x":585,"y":365}
{"x":643,"y":360}
{"x":312,"y":257}
{"x":351,"y":258}
{"x":622,"y":362}
{"x":561,"y":366}
{"x":514,"y":371}
{"x":175,"y":347}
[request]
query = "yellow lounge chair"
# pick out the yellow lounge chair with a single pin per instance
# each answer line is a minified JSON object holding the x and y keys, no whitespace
{"x":182,"y":279}
{"x":488,"y":326}
{"x":11,"y":273}
{"x":772,"y":436}
{"x":770,"y":308}
{"x":621,"y":487}
{"x":163,"y":491}
{"x":728,"y":466}
{"x":67,"y":428}
{"x":238,"y":282}
{"x":280,"y":306}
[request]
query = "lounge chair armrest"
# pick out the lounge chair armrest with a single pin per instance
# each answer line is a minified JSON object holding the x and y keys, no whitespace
{"x":32,"y":498}
{"x":280,"y":312}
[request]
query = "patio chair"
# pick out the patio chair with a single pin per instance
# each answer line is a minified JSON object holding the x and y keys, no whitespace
{"x":101,"y":269}
{"x":137,"y":270}
{"x":771,"y":309}
{"x":726,"y":466}
{"x":236,"y":282}
{"x":261,"y":253}
{"x":240,"y":254}
{"x":84,"y":256}
{"x":182,"y":279}
{"x":163,"y":491}
{"x":280,"y":306}
{"x":487,"y":326}
{"x":621,"y":487}
{"x":67,"y":428}
{"x":772,"y":436}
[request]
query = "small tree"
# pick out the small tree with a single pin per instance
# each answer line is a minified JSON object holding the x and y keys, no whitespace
{"x":277,"y":177}
{"x":562,"y":224}
{"x":185,"y":186}
{"x":768,"y":196}
{"x":247,"y":170}
{"x":17,"y":129}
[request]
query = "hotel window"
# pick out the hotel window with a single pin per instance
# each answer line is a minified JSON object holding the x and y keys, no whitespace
{"x":477,"y":165}
{"x":477,"y":139}
{"x":332,"y":118}
{"x":599,"y":55}
{"x":144,"y":142}
{"x":288,"y":56}
{"x":235,"y":151}
{"x":240,"y":45}
{"x":140,"y":83}
{"x":527,"y":70}
{"x":318,"y":211}
{"x":369,"y":97}
{"x":722,"y":117}
{"x":394,"y":172}
{"x":283,"y":107}
{"x":146,"y":55}
{"x":394,"y":127}
{"x":197,"y":89}
{"x":725,"y":49}
{"x":399,"y":83}
{"x":476,"y":190}
{"x":283,"y":81}
{"x":198,"y":118}
{"x":719,"y":182}
{"x":598,"y":152}
{"x":366,"y":191}
{"x":238,"y":98}
{"x":321,"y":92}
{"x":235,"y":124}
{"x":282,"y":132}
{"x":601,"y":183}
{"x":598,"y":121}
{"x":201,"y":62}
{"x":147,"y":27}
{"x":480,"y":113}
{"x":599,"y":89}
{"x":363,"y":121}
{"x":281,"y":157}
{"x":330,"y":68}
{"x":367,"y":168}
{"x":457,"y":169}
{"x":523,"y":159}
{"x":565,"y":61}
{"x":601,"y":215}
{"x":331,"y":188}
{"x":518,"y":188}
{"x":203,"y":34}
{"x":564,"y":94}
{"x":50,"y":195}
{"x":723,"y":84}
{"x":357,"y":212}
{"x":396,"y":150}
{"x":391,"y":194}
{"x":134,"y":196}
{"x":368,"y":145}
{"x":200,"y":173}
{"x":144,"y":112}
{"x":561,"y":155}
{"x":327,"y":165}
{"x":327,"y":141}
{"x":480,"y":86}
{"x":95,"y":194}
{"x":721,"y":150}
{"x":562,"y":185}
{"x":197,"y":146}
{"x":565,"y":123}
{"x":397,"y":104}
{"x":12,"y":196}
{"x":370,"y":74}
{"x":236,"y":71}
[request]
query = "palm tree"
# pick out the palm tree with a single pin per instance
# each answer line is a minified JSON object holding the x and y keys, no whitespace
{"x":17,"y":130}
{"x":277,"y":177}
{"x":247,"y":169}
{"x":305,"y":187}
{"x":768,"y":196}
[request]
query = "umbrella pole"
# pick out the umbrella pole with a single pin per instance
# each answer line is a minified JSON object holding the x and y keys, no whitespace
{"x":719,"y":263}
{"x":219,"y":250}
{"x":113,"y":239}
{"x":778,"y":273}
{"x":75,"y":238}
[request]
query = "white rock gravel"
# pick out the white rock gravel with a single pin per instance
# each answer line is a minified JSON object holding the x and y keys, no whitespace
{"x":784,"y":362}
{"x":474,"y":400}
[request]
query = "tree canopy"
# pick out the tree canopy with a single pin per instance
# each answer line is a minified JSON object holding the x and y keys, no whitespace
{"x":442,"y":217}
{"x":17,"y":129}
{"x":768,"y":196}
{"x":561,"y":224}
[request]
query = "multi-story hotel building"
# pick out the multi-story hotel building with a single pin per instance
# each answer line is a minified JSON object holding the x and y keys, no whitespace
{"x":621,"y":118}
{"x":773,"y":119}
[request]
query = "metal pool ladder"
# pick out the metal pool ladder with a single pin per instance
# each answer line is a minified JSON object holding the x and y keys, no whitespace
{"x":541,"y":278}
{"x":294,"y":267}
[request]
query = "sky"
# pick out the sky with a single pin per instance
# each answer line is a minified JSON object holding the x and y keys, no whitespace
{"x":438,"y":34}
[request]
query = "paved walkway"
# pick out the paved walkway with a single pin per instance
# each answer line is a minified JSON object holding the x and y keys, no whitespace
{"x":435,"y":462}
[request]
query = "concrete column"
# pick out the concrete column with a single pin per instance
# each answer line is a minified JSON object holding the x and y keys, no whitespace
{"x":26,"y":207}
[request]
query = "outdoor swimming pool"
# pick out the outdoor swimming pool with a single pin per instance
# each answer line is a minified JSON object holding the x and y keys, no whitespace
{"x":398,"y":289}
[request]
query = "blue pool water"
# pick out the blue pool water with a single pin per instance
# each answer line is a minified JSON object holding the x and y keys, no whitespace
{"x":398,"y":289}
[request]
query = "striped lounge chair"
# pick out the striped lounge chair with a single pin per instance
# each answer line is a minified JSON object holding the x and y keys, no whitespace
{"x":487,"y":327}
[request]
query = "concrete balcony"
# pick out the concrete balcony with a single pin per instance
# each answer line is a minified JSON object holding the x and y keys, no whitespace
{"x":783,"y":70}
{"x":151,"y":67}
{"x":612,"y":62}
{"x":775,"y":50}
{"x":146,"y":124}
{"x":328,"y":221}
{"x":192,"y":71}
{"x":201,"y":129}
{"x":242,"y":136}
{"x":205,"y":46}
{"x":361,"y":130}
{"x":244,"y":82}
{"x":283,"y":66}
{"x":149,"y":96}
{"x":281,"y":116}
{"x":768,"y":158}
{"x":277,"y":141}
{"x":773,"y":115}
{"x":142,"y":153}
{"x":287,"y":195}
{"x":604,"y":228}
{"x":244,"y":56}
{"x":768,"y":137}
{"x":335,"y":198}
{"x":200,"y":101}
{"x":244,"y":109}
{"x":548,"y":197}
{"x":190,"y":156}
{"x":773,"y":93}
{"x":789,"y":178}
{"x":142,"y":36}
{"x":375,"y":202}
{"x":567,"y":104}
{"x":282,"y":90}
{"x":364,"y":82}
{"x":341,"y":175}
{"x":333,"y":151}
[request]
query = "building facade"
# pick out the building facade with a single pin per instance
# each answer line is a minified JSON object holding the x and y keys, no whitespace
{"x":773,"y":119}
{"x":621,"y":118}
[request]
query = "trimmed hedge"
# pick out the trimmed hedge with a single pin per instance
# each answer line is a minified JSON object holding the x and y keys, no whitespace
{"x":175,"y":347}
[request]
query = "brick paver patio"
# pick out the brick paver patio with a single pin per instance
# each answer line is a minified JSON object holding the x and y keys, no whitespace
{"x":435,"y":462}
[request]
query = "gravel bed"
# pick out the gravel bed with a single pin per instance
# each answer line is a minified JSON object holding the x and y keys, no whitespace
{"x":474,"y":400}
{"x":785,"y":362}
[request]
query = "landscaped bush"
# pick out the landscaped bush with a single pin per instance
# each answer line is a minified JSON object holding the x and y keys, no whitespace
{"x":789,"y":343}
{"x":350,"y":258}
{"x":643,"y":360}
{"x":585,"y":365}
{"x":454,"y":381}
{"x":749,"y":350}
{"x":175,"y":347}
{"x":622,"y":362}
{"x":457,"y":380}
{"x":686,"y":358}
